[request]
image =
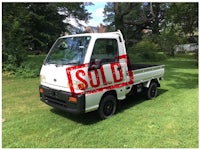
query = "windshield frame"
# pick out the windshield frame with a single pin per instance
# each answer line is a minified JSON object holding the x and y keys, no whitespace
{"x":78,"y":53}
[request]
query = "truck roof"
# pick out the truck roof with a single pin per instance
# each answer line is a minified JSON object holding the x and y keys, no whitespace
{"x":102,"y":35}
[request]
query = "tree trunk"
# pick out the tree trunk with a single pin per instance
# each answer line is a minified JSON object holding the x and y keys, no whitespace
{"x":119,"y":21}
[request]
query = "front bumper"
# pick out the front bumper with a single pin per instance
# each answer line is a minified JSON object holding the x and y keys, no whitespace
{"x":60,"y":100}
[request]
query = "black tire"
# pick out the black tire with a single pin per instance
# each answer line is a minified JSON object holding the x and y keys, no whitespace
{"x":107,"y":107}
{"x":152,"y":91}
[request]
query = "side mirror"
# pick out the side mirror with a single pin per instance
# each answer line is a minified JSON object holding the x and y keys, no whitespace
{"x":95,"y":64}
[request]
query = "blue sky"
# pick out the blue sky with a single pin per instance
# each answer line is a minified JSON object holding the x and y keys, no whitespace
{"x":97,"y":13}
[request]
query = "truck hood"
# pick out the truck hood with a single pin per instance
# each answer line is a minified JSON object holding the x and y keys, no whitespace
{"x":55,"y":76}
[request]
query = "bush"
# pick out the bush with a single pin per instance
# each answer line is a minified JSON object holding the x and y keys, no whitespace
{"x":146,"y":51}
{"x":24,"y":71}
{"x":169,"y":38}
{"x":28,"y":69}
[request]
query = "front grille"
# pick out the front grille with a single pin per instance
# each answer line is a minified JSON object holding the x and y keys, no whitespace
{"x":55,"y":101}
{"x":60,"y":99}
{"x":55,"y":97}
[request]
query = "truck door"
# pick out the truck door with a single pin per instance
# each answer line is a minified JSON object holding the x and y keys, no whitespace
{"x":112,"y":72}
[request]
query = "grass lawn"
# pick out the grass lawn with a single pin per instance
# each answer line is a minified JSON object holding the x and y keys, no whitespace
{"x":168,"y":121}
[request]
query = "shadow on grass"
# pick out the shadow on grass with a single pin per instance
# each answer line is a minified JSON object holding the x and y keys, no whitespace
{"x":85,"y":119}
{"x":182,"y":74}
{"x":136,"y":99}
{"x":183,"y":80}
{"x":92,"y":117}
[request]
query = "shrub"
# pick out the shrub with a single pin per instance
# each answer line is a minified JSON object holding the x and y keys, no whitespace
{"x":24,"y":71}
{"x":146,"y":51}
{"x":169,"y":38}
{"x":28,"y":69}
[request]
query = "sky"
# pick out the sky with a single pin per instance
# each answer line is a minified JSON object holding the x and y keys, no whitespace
{"x":97,"y":13}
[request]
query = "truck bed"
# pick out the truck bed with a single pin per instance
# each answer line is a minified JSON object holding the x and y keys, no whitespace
{"x":146,"y":72}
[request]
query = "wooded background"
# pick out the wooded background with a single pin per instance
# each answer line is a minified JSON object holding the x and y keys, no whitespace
{"x":148,"y":28}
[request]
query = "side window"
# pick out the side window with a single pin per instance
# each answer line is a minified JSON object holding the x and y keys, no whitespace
{"x":106,"y":50}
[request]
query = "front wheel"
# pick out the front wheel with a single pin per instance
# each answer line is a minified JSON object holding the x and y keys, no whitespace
{"x":152,"y":91}
{"x":107,"y":106}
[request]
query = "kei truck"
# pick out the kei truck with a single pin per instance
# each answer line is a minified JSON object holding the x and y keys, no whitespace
{"x":91,"y":71}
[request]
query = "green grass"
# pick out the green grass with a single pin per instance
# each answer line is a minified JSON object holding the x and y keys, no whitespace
{"x":168,"y":121}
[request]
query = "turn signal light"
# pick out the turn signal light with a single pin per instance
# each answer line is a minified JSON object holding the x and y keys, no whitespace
{"x":41,"y":90}
{"x":73,"y":99}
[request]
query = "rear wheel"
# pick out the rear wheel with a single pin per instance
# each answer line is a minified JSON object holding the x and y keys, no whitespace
{"x":152,"y":91}
{"x":107,"y":106}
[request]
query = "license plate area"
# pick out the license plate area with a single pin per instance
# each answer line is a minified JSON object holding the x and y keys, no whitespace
{"x":53,"y":93}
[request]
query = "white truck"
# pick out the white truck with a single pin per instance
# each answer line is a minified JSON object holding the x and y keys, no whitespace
{"x":91,"y":71}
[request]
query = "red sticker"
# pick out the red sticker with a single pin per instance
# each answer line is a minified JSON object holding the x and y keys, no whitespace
{"x":95,"y":77}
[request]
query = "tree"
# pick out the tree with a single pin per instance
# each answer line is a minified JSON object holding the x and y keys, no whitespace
{"x":44,"y":25}
{"x":13,"y":33}
{"x":118,"y":15}
{"x":180,"y":24}
{"x":134,"y":17}
{"x":155,"y":15}
{"x":169,"y":38}
{"x":109,"y":16}
{"x":185,"y":15}
{"x":47,"y":24}
{"x":35,"y":25}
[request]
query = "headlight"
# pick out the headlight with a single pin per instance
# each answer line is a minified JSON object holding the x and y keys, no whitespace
{"x":42,"y":78}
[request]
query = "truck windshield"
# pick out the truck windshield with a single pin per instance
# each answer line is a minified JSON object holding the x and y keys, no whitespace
{"x":70,"y":50}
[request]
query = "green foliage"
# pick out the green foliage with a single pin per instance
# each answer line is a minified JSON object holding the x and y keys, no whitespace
{"x":146,"y":51}
{"x":28,"y":69}
{"x":169,"y":38}
{"x":24,"y":71}
{"x":44,"y":25}
{"x":109,"y":13}
{"x":185,"y":15}
{"x":34,"y":26}
{"x":132,"y":18}
{"x":13,"y":33}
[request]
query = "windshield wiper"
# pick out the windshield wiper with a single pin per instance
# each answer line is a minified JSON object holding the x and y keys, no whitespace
{"x":62,"y":64}
{"x":73,"y":63}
